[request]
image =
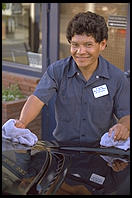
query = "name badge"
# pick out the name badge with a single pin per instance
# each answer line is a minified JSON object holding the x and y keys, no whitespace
{"x":100,"y":91}
{"x":97,"y":178}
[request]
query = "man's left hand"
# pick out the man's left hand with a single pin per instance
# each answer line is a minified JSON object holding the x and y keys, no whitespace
{"x":121,"y":132}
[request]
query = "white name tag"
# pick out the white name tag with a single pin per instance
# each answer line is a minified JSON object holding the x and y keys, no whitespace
{"x":97,"y":178}
{"x":100,"y":91}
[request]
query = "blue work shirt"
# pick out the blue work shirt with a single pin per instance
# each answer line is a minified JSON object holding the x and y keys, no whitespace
{"x":84,"y":114}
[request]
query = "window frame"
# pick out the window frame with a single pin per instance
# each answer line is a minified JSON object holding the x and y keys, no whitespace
{"x":127,"y":47}
{"x":49,"y":49}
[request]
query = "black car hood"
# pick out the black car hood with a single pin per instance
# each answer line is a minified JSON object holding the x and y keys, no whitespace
{"x":54,"y":168}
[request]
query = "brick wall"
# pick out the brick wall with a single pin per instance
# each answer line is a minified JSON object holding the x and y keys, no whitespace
{"x":26,"y":84}
{"x":12,"y":109}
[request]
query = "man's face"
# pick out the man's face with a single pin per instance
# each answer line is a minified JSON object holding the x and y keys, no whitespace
{"x":85,"y":50}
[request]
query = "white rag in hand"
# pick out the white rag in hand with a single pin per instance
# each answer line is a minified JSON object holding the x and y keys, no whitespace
{"x":18,"y":135}
{"x":111,"y":159}
{"x":108,"y":141}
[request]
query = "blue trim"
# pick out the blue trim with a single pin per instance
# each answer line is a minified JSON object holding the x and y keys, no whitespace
{"x":52,"y":44}
{"x":54,"y":32}
{"x":127,"y":49}
{"x":45,"y":37}
{"x":21,"y":71}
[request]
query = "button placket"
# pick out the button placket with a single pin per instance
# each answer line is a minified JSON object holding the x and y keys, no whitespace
{"x":97,"y":76}
{"x":83,"y":114}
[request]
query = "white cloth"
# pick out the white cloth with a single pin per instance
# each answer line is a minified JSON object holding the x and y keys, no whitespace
{"x":18,"y":135}
{"x":108,"y":141}
{"x":110,"y":159}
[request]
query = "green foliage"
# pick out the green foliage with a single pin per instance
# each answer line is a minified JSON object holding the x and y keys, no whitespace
{"x":3,"y":6}
{"x":11,"y":93}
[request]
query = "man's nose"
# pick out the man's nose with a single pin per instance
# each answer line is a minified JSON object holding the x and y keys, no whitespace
{"x":81,"y":50}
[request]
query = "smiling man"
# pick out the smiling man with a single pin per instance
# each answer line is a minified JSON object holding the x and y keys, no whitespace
{"x":85,"y":51}
{"x":92,"y":95}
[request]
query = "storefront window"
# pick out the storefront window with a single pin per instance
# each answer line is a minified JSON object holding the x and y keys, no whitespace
{"x":115,"y":51}
{"x":22,"y":35}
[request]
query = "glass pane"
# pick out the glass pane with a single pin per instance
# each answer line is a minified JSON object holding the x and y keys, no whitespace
{"x":21,"y":37}
{"x":115,"y":51}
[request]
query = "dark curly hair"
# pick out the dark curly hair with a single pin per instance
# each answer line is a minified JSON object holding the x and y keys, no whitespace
{"x":89,"y":23}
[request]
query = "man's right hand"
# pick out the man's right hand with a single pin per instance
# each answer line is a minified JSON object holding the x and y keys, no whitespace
{"x":19,"y":124}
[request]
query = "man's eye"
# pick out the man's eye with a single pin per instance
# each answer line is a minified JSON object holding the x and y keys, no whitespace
{"x":74,"y":45}
{"x":89,"y":45}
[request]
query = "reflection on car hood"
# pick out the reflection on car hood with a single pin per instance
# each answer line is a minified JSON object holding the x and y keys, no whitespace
{"x":54,"y":168}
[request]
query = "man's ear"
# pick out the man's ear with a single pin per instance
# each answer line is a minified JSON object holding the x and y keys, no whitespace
{"x":103,"y":45}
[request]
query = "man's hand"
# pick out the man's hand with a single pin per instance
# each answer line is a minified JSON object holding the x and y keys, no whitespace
{"x":19,"y":124}
{"x":121,"y":132}
{"x":118,"y":165}
{"x":121,"y":129}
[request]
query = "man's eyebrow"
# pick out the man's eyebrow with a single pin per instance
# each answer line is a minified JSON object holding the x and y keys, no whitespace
{"x":89,"y":42}
{"x":84,"y":42}
{"x":74,"y":42}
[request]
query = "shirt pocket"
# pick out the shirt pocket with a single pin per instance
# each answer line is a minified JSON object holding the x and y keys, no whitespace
{"x":102,"y":110}
{"x":66,"y":107}
{"x":67,"y":100}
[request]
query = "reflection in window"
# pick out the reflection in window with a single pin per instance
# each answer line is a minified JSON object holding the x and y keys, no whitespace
{"x":21,"y":36}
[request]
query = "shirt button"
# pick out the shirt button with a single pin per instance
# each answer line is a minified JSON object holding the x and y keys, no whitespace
{"x":78,"y":74}
{"x":97,"y":76}
{"x":84,"y":118}
{"x":83,"y":135}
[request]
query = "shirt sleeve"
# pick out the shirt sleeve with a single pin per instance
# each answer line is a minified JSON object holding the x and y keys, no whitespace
{"x":46,"y":87}
{"x":122,"y":98}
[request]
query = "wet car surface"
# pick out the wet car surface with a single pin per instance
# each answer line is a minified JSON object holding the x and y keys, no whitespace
{"x":51,"y":168}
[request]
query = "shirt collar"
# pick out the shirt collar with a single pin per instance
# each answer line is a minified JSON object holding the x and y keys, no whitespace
{"x":73,"y":69}
{"x":102,"y":69}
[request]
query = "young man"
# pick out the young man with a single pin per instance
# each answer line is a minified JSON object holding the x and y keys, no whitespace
{"x":92,"y":95}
